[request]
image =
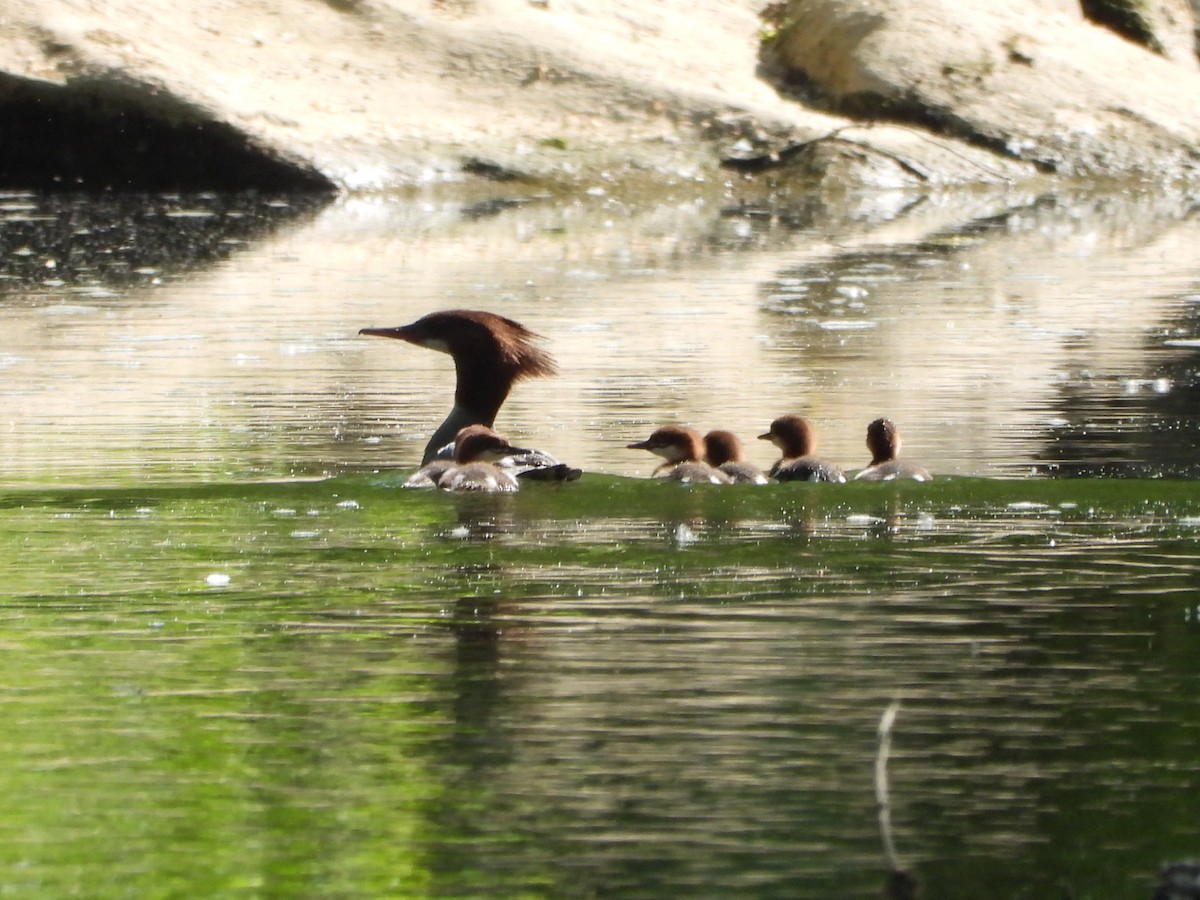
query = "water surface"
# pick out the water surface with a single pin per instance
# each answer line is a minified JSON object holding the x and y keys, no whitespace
{"x":1061,"y":334}
{"x":242,"y":662}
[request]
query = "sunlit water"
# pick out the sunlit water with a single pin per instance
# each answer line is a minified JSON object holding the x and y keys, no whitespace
{"x":242,"y":663}
{"x":1063,"y":333}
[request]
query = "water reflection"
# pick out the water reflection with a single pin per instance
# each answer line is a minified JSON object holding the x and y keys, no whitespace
{"x":92,"y":242}
{"x":580,"y":703}
{"x":614,"y":687}
{"x":617,"y":687}
{"x":995,"y":328}
{"x":1135,"y":422}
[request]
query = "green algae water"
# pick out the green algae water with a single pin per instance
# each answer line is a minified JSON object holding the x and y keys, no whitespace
{"x":239,"y":661}
{"x":608,"y":688}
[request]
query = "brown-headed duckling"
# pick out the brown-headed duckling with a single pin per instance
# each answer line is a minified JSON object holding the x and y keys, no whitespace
{"x":723,"y":450}
{"x":682,"y":449}
{"x":477,"y":450}
{"x":883,"y":440}
{"x":796,"y":439}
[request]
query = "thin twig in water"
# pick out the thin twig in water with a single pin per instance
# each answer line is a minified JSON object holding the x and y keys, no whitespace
{"x":882,"y":795}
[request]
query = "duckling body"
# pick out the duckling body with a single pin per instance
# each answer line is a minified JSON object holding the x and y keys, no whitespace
{"x":477,"y":449}
{"x":429,"y":474}
{"x":479,"y":477}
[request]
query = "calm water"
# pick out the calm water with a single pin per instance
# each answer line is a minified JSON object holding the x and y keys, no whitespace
{"x":241,"y":663}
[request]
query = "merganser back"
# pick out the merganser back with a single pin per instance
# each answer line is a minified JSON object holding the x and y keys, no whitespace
{"x":883,"y":440}
{"x":682,"y":448}
{"x":491,"y":353}
{"x":796,"y":438}
{"x":723,"y":450}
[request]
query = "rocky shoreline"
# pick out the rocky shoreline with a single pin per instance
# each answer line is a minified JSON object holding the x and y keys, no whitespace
{"x":366,"y":95}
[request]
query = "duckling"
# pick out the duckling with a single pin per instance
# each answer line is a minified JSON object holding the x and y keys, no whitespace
{"x":796,"y":438}
{"x":883,"y":440}
{"x":683,"y":450}
{"x":477,"y":449}
{"x":723,"y":450}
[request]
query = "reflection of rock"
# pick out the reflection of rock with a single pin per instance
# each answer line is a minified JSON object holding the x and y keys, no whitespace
{"x":370,"y":94}
{"x":1111,"y":425}
{"x":119,"y":238}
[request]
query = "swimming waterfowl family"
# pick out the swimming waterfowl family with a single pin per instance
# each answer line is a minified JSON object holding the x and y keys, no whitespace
{"x":492,"y":353}
{"x":682,"y":448}
{"x":796,"y":439}
{"x":883,"y":440}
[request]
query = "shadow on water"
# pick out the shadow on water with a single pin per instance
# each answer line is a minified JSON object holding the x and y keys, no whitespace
{"x":76,"y":241}
{"x":1139,"y":423}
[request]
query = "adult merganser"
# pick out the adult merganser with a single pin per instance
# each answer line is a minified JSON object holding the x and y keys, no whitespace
{"x":477,"y":449}
{"x":683,"y":449}
{"x":797,"y":439}
{"x":491,"y":353}
{"x":723,"y":450}
{"x":883,"y":440}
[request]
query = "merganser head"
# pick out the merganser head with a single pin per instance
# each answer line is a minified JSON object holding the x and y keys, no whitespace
{"x":478,"y":443}
{"x":476,"y":338}
{"x":722,"y":447}
{"x":491,"y":353}
{"x":793,"y":435}
{"x":674,"y":443}
{"x":883,"y":440}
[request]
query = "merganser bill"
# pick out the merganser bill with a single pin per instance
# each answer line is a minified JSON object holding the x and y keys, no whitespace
{"x":796,"y":438}
{"x":683,"y":450}
{"x":883,"y":440}
{"x":723,"y":450}
{"x":491,"y":353}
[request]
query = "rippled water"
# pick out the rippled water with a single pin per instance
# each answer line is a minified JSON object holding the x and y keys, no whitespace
{"x":225,"y":680}
{"x":1060,"y":335}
